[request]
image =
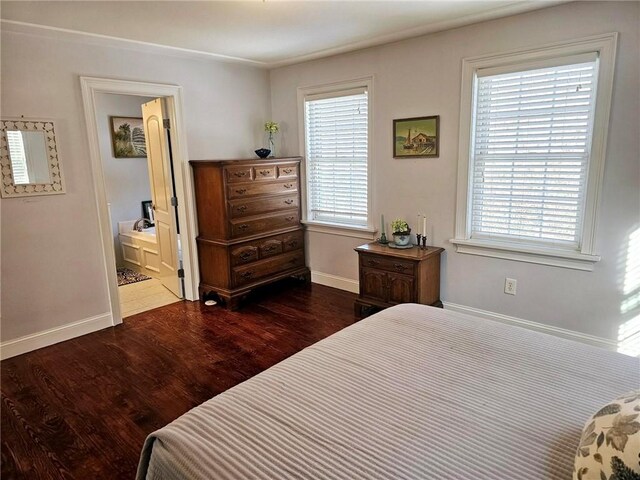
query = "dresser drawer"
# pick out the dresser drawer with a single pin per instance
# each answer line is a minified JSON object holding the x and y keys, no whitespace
{"x":238,"y":174}
{"x":264,"y":268}
{"x":388,"y":264}
{"x":292,"y":241}
{"x":288,"y":171}
{"x":251,"y":251}
{"x":264,"y":172}
{"x":243,"y":254}
{"x":270,"y":247}
{"x":245,"y":208}
{"x":252,"y":226}
{"x":257,"y":188}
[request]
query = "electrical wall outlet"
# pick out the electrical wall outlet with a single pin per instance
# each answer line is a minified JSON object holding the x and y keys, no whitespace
{"x":510,"y":285}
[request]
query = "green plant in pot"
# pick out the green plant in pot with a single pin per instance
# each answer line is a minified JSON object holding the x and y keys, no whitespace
{"x":401,"y":232}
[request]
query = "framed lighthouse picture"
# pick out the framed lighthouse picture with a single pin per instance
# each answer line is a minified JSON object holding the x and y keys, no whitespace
{"x":416,"y":137}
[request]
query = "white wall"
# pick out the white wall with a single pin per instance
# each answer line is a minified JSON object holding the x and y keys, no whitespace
{"x":588,"y":302}
{"x":52,"y":264}
{"x":126,"y":179}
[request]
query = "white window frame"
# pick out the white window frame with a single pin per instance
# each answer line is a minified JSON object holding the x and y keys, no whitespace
{"x":585,"y":257}
{"x":366,"y":232}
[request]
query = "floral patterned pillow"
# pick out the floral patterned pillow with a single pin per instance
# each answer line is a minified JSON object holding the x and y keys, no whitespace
{"x":609,"y":448}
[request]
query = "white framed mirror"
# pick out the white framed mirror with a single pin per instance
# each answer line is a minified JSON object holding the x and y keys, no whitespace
{"x":29,"y":158}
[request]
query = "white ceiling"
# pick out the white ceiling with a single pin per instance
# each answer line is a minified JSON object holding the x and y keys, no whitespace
{"x":268,"y":33}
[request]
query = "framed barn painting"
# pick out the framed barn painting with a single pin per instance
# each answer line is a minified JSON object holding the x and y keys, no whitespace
{"x":127,"y":136}
{"x":416,"y":137}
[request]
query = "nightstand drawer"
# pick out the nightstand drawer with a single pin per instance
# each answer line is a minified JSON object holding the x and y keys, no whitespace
{"x":388,"y":264}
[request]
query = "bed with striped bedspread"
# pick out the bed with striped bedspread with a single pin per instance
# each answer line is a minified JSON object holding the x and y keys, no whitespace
{"x":411,"y":392}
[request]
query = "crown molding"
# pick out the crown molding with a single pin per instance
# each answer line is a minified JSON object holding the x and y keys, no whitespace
{"x":46,"y":31}
{"x":493,"y":14}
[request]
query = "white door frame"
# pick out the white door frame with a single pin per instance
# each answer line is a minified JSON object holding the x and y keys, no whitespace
{"x":182,"y":175}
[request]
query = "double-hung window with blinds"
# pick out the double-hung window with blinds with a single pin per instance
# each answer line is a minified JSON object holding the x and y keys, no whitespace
{"x":530,"y":149}
{"x":336,"y":137}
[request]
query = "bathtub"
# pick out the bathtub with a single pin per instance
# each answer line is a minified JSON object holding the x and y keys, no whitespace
{"x":140,"y":250}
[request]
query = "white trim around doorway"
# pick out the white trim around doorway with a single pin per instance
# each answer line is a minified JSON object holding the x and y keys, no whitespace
{"x":182,"y":175}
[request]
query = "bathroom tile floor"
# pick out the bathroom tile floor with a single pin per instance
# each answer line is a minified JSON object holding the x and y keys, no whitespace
{"x":142,"y":296}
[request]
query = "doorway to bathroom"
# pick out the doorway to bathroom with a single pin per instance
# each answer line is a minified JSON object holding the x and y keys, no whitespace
{"x":135,"y":154}
{"x":176,"y":178}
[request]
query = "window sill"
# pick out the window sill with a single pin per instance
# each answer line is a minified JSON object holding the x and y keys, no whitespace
{"x":365,"y":233}
{"x":529,"y":254}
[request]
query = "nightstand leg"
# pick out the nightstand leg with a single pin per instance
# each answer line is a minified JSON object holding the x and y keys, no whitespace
{"x":357,"y":310}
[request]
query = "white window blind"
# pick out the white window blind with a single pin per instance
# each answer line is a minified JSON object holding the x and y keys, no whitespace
{"x":18,"y":158}
{"x":336,"y":128}
{"x":530,"y":153}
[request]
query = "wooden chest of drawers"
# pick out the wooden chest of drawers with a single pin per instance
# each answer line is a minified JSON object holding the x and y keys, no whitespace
{"x":249,"y":224}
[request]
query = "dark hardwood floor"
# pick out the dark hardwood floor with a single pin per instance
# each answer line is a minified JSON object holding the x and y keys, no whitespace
{"x":82,"y":408}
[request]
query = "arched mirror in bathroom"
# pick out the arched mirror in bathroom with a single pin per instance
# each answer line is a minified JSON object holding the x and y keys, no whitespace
{"x":29,"y":160}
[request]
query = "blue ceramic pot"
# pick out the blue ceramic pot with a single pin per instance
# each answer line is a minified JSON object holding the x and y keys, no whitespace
{"x":402,"y":239}
{"x":263,"y":152}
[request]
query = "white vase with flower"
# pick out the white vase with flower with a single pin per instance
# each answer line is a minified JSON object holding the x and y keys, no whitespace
{"x":271,"y":128}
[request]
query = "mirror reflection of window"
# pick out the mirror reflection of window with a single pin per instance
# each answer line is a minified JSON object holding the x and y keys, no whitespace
{"x":28,"y":155}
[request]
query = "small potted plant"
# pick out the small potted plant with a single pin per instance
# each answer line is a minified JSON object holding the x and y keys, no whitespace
{"x":401,"y":232}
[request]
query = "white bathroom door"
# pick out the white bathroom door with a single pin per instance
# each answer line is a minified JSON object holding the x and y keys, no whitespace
{"x":164,"y":202}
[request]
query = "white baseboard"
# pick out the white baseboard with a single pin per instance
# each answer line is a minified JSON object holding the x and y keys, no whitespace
{"x":28,"y":343}
{"x":334,"y":281}
{"x":539,"y":327}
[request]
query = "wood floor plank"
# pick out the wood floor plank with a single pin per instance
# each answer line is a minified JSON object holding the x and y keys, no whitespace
{"x":82,"y":408}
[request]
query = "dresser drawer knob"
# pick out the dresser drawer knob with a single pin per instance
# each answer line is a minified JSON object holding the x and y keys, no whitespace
{"x":243,"y":227}
{"x":289,"y":218}
{"x":241,"y":208}
{"x":288,"y":201}
{"x":400,"y":267}
{"x":247,"y":274}
{"x":287,"y":170}
{"x":264,"y":173}
{"x":241,"y":191}
{"x":240,"y":174}
{"x":293,"y":243}
{"x":288,"y":185}
{"x":372,"y":263}
{"x":270,"y":248}
{"x":246,"y":255}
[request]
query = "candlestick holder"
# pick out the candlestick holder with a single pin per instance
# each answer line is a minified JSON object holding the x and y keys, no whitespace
{"x":424,"y":241}
{"x":418,"y":240}
{"x":383,"y":239}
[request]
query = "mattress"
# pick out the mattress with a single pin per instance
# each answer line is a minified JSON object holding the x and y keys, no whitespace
{"x":411,"y":392}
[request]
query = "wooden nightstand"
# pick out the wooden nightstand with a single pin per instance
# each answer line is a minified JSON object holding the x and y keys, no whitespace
{"x":389,"y":276}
